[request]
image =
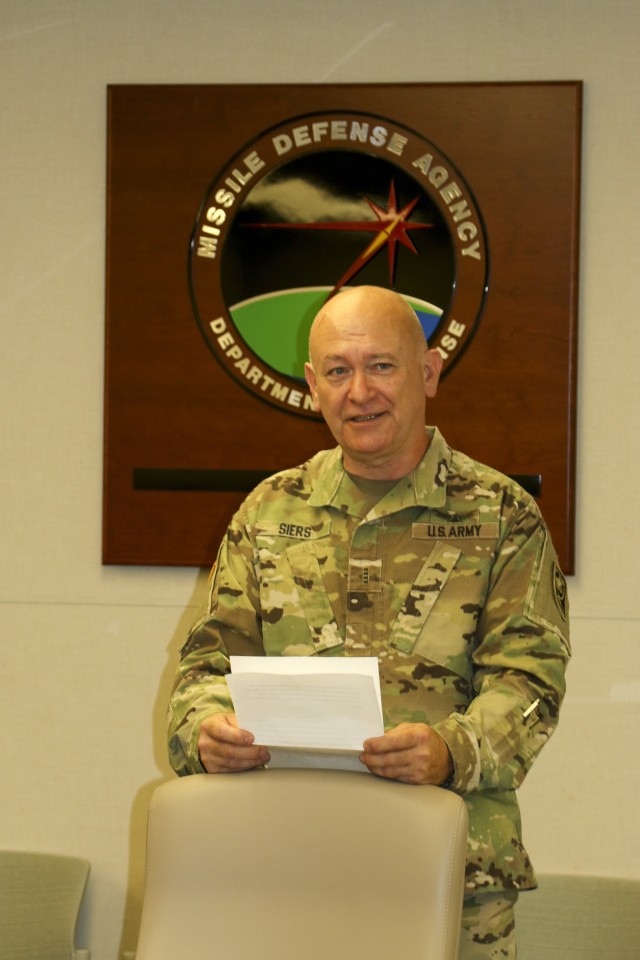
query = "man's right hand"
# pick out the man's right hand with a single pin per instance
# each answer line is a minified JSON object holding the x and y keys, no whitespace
{"x":224,"y":748}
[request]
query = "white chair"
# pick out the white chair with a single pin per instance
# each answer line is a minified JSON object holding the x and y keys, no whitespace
{"x":309,"y":864}
{"x":40,"y":898}
{"x":579,"y":918}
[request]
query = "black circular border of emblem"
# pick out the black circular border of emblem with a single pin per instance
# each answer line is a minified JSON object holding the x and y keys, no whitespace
{"x":437,"y":177}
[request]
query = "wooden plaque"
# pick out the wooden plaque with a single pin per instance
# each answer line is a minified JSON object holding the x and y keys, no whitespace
{"x":234,"y":210}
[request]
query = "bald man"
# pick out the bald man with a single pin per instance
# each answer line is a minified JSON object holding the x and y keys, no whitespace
{"x":396,"y":546}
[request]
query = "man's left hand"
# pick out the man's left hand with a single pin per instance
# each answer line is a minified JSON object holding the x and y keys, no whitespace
{"x":411,"y":752}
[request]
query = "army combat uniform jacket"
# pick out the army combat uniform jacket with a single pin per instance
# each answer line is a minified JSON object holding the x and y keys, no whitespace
{"x":450,"y":580}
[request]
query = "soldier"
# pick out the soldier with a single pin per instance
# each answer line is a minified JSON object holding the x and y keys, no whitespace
{"x":396,"y":546}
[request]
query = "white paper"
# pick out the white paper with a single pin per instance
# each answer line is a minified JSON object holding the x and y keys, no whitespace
{"x":316,"y":759}
{"x":309,"y":711}
{"x":366,"y":666}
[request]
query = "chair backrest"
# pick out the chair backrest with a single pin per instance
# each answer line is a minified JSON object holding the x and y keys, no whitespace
{"x":40,"y":897}
{"x":308,"y":864}
{"x":579,"y":918}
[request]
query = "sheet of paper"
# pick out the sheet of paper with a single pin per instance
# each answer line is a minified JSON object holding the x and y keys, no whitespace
{"x":316,"y":759}
{"x":365,"y":666}
{"x":309,"y":711}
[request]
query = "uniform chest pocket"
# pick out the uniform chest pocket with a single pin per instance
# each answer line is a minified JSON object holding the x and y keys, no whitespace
{"x":422,"y":596}
{"x":297,"y":615}
{"x":435,"y":623}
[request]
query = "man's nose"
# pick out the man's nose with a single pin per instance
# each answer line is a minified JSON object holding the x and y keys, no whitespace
{"x":360,"y":388}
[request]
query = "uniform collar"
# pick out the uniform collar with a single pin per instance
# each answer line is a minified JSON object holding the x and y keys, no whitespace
{"x":425,"y":486}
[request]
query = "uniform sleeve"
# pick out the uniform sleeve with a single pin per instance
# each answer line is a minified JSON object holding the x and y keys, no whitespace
{"x":522,"y":649}
{"x":229,"y":624}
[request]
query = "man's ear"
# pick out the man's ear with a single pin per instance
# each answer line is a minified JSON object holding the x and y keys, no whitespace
{"x":432,"y":370}
{"x":310,"y":377}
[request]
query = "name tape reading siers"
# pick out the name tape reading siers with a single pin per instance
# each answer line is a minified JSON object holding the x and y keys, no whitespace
{"x":429,"y":228}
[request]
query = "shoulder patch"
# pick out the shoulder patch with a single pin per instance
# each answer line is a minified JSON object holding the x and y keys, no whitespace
{"x":547,"y":599}
{"x":560,"y":590}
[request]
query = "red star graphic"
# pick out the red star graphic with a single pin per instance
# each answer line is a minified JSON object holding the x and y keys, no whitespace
{"x":391,"y":228}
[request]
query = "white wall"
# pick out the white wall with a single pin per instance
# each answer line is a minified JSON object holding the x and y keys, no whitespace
{"x":87,"y":652}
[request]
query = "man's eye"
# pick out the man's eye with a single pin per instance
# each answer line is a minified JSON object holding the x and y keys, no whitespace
{"x":337,"y":372}
{"x":384,"y":366}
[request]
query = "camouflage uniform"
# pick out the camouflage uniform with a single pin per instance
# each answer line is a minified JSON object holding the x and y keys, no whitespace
{"x":451,"y":580}
{"x":488,"y":926}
